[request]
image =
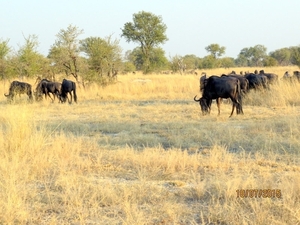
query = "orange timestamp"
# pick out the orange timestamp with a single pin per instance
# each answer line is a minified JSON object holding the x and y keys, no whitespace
{"x":258,"y":193}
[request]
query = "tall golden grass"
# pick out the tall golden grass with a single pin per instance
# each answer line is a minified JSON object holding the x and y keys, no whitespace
{"x":140,"y":152}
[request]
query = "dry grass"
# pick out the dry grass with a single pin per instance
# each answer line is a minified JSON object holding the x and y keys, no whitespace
{"x":140,"y":152}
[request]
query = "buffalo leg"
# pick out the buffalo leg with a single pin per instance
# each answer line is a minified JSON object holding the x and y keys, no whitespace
{"x":71,"y":98}
{"x":218,"y":100}
{"x":233,"y":106}
{"x":239,"y":108}
{"x":50,"y":96}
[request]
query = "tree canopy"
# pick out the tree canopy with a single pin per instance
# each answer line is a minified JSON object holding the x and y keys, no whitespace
{"x":215,"y":50}
{"x":65,"y":51}
{"x":148,"y":30}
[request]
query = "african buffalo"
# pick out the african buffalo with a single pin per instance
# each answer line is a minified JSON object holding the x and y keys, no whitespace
{"x":68,"y":86}
{"x":220,"y":87}
{"x":272,"y":78}
{"x":257,"y":81}
{"x":17,"y":87}
{"x":46,"y":87}
{"x":244,"y":83}
{"x":296,"y":75}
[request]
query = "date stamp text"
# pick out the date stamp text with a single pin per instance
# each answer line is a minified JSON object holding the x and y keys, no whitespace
{"x":258,"y":193}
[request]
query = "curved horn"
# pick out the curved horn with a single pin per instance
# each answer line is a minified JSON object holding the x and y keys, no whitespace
{"x":6,"y":95}
{"x":196,"y":99}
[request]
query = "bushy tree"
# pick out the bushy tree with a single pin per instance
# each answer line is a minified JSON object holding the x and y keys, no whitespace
{"x":175,"y":62}
{"x":64,"y":53}
{"x":148,"y":30}
{"x":192,"y":62}
{"x":254,"y":55}
{"x":135,"y":56}
{"x":4,"y":63}
{"x":215,"y":50}
{"x":241,"y":61}
{"x":270,"y":61}
{"x":295,"y":55}
{"x":283,"y":56}
{"x":209,"y":62}
{"x":28,"y":62}
{"x":128,"y":67}
{"x":157,"y":59}
{"x":103,"y":56}
{"x":226,"y":62}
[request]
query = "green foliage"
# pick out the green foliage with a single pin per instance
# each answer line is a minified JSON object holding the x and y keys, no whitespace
{"x":270,"y":61}
{"x":209,"y":62}
{"x":136,"y":57}
{"x":64,"y":54}
{"x":241,"y":61}
{"x":295,"y":56}
{"x":148,"y":31}
{"x":28,"y":62}
{"x":103,"y":55}
{"x":191,"y":62}
{"x":254,"y":55}
{"x":174,"y":63}
{"x":283,"y":56}
{"x":4,"y":51}
{"x":128,"y":67}
{"x":157,"y":59}
{"x":215,"y":50}
{"x":226,"y":62}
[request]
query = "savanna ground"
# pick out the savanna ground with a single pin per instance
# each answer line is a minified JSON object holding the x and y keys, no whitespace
{"x":140,"y":152}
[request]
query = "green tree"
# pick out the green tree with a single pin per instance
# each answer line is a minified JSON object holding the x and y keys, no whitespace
{"x":241,"y":61}
{"x":136,"y":57}
{"x":226,"y":62}
{"x":295,"y":56}
{"x":175,"y":62}
{"x":148,"y":30}
{"x":28,"y":62}
{"x":192,"y":62}
{"x":103,"y":55}
{"x":270,"y":61}
{"x":283,"y":56}
{"x":64,"y":54}
{"x":128,"y":67}
{"x":254,"y":55}
{"x":215,"y":50}
{"x":4,"y":51}
{"x":209,"y":62}
{"x":157,"y":59}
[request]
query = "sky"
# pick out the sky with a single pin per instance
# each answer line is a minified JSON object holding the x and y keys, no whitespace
{"x":192,"y":25}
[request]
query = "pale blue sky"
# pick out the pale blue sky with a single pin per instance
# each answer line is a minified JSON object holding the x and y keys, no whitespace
{"x":191,"y":24}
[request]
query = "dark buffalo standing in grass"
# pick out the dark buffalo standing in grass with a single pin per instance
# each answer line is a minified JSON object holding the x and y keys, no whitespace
{"x":18,"y":88}
{"x":291,"y":78}
{"x":244,"y":83}
{"x":272,"y":78}
{"x":46,"y":87}
{"x":67,"y":87}
{"x":257,"y":81}
{"x":216,"y":87}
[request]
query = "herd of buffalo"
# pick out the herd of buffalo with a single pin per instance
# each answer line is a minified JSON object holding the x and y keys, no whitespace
{"x":226,"y":86}
{"x":44,"y":87}
{"x":235,"y":87}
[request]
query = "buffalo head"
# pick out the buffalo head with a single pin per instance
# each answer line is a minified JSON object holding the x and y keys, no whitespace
{"x":204,"y":104}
